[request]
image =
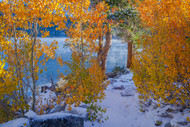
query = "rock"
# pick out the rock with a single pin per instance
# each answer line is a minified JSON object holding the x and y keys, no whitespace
{"x":166,"y":115}
{"x":18,"y":122}
{"x":128,"y":93}
{"x":170,"y":110}
{"x":80,"y":111}
{"x":119,"y":87}
{"x":45,"y":101}
{"x":58,"y":108}
{"x":83,"y":106}
{"x":183,"y":123}
{"x":59,"y":119}
{"x":155,"y":106}
{"x":123,"y":80}
{"x":149,"y":102}
{"x":127,"y":71}
{"x":68,"y":121}
{"x":73,"y":111}
{"x":112,"y":81}
{"x":180,"y":108}
{"x":111,"y":75}
{"x":168,"y":125}
{"x":130,"y":80}
{"x":158,"y":123}
{"x":31,"y":114}
{"x":44,"y":88}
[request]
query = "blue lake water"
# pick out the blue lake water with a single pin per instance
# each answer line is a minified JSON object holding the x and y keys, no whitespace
{"x":117,"y":57}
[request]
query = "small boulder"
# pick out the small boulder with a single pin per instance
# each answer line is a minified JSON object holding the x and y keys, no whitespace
{"x":58,"y":108}
{"x":119,"y":87}
{"x":168,"y":125}
{"x":83,"y":106}
{"x":111,"y":75}
{"x":127,"y":93}
{"x":180,"y":108}
{"x":149,"y":102}
{"x":124,"y":81}
{"x":170,"y":110}
{"x":112,"y":81}
{"x":166,"y":115}
{"x":44,"y":88}
{"x":184,"y":123}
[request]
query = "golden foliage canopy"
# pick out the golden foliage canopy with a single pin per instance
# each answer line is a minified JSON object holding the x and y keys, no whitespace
{"x":162,"y":68}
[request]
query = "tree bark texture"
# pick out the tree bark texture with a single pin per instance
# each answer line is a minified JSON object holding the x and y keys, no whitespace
{"x":33,"y":69}
{"x":129,"y":56}
{"x":103,"y":51}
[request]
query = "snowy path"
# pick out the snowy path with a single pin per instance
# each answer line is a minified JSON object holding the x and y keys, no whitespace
{"x":123,"y":111}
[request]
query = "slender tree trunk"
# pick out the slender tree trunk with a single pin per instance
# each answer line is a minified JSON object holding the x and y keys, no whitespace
{"x":100,"y":45}
{"x":18,"y":72}
{"x":129,"y":56}
{"x":17,"y":64}
{"x":103,"y":51}
{"x":107,"y":48}
{"x":32,"y":68}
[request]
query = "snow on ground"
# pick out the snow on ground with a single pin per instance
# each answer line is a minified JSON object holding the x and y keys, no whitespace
{"x":25,"y":122}
{"x":16,"y":123}
{"x":56,"y":115}
{"x":44,"y":99}
{"x":124,"y":111}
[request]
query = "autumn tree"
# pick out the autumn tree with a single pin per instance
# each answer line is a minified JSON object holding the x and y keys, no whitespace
{"x":85,"y":80}
{"x":104,"y":46}
{"x":22,"y":50}
{"x":128,"y":26}
{"x":161,"y":70}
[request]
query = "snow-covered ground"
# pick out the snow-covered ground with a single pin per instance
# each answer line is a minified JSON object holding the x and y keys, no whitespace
{"x":123,"y":109}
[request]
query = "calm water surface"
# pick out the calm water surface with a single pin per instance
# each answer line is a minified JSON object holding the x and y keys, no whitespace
{"x":117,"y":57}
